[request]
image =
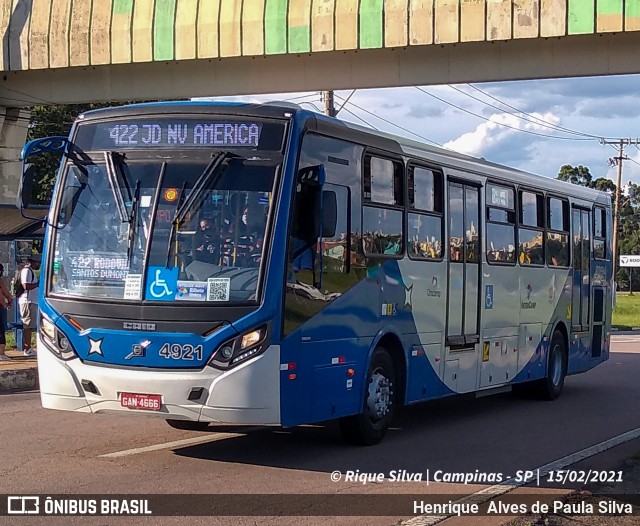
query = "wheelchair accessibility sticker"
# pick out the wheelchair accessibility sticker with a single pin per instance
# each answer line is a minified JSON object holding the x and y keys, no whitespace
{"x":162,"y":284}
{"x":488,"y":297}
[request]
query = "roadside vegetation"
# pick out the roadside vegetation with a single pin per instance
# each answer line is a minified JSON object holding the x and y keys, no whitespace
{"x":626,"y":314}
{"x":11,"y":340}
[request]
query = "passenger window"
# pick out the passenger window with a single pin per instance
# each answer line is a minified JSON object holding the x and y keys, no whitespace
{"x":456,"y":222}
{"x":531,"y":238}
{"x":501,"y":225}
{"x":383,"y":181}
{"x":425,"y":218}
{"x":425,"y":189}
{"x":382,"y":231}
{"x":425,"y":236}
{"x":600,"y":233}
{"x":558,"y":248}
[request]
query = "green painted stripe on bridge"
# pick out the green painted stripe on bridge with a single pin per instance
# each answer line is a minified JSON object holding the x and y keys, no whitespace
{"x":371,"y":15}
{"x":581,"y":16}
{"x":632,"y":8}
{"x":163,"y":29}
{"x":300,"y":39}
{"x":275,"y":27}
{"x":122,"y":7}
{"x":610,"y":7}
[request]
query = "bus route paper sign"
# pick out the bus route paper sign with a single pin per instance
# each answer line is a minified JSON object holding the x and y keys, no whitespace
{"x":629,"y":261}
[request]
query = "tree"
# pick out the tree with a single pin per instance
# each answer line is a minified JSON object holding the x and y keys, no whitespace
{"x":47,"y":121}
{"x":575,"y":174}
{"x":604,"y":185}
{"x":628,"y":216}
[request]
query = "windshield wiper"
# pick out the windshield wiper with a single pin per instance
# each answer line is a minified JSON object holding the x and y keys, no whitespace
{"x":203,"y":181}
{"x":184,"y":205}
{"x":133,"y":222}
{"x":110,"y":160}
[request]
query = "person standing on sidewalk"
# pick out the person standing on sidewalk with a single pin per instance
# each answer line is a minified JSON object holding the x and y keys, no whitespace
{"x":6,"y":301}
{"x":28,"y":302}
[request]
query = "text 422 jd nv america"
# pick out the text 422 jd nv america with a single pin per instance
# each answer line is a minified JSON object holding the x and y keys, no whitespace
{"x":221,"y":262}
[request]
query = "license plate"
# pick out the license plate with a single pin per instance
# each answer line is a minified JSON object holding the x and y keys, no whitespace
{"x":147,"y":402}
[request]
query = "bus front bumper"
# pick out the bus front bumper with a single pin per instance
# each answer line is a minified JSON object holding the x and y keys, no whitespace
{"x":247,"y":394}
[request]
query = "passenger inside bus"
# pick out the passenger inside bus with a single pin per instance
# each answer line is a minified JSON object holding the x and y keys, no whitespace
{"x":206,"y":242}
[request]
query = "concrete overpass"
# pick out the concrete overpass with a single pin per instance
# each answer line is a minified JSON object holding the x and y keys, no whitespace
{"x":63,"y":51}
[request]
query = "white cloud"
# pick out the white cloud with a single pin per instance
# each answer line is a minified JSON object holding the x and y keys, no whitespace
{"x":499,"y":129}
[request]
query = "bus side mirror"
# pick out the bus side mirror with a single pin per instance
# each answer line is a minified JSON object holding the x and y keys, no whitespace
{"x":26,"y":188}
{"x":329,"y":213}
{"x":40,"y":161}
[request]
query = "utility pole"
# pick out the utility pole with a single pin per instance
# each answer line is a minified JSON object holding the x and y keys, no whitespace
{"x":616,"y":211}
{"x":329,"y":108}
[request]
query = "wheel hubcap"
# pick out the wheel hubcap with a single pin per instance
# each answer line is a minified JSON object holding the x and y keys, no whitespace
{"x":379,"y":399}
{"x":556,"y":369}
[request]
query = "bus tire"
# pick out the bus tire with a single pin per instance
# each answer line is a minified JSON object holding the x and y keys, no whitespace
{"x":188,"y":425}
{"x":370,"y":426}
{"x":550,"y":388}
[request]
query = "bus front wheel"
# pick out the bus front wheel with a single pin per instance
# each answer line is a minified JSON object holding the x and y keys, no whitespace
{"x":370,"y":426}
{"x":188,"y":425}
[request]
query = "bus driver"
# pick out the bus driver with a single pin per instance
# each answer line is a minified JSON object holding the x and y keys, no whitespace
{"x":206,"y":243}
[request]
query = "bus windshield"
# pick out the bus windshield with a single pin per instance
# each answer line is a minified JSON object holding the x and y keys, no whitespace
{"x":197,"y":225}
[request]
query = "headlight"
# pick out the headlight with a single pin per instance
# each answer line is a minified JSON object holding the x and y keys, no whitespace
{"x":251,"y":338}
{"x":55,"y":340}
{"x":239,"y":349}
{"x":48,"y":329}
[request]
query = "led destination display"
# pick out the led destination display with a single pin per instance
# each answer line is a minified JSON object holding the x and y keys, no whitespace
{"x":189,"y":132}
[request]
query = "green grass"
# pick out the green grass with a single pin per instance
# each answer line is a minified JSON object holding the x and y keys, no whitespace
{"x":627,"y":310}
{"x":11,"y":339}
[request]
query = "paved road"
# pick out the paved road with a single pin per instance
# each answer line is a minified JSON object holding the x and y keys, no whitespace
{"x":45,"y":451}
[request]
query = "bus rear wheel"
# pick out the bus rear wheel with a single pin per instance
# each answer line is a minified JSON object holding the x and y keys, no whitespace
{"x":188,"y":425}
{"x":370,"y":426}
{"x":550,"y":388}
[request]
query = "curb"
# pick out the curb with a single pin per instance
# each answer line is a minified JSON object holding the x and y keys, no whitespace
{"x":18,"y":380}
{"x":627,"y":331}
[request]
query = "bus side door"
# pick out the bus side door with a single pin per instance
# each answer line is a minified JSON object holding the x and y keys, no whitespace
{"x":463,"y":288}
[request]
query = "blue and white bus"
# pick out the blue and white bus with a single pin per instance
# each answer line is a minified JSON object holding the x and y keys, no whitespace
{"x":221,"y":262}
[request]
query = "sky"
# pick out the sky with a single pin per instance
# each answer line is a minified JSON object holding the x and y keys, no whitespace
{"x":544,"y":124}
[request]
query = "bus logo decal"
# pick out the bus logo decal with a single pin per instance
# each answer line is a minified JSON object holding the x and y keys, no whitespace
{"x":529,"y":304}
{"x":408,"y":292}
{"x":138,"y":326}
{"x":96,"y":346}
{"x":139,"y":350}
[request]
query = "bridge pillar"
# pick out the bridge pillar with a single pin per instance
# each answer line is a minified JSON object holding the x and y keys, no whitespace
{"x":14,"y":123}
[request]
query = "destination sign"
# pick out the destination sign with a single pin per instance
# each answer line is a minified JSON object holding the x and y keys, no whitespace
{"x":82,"y":268}
{"x":189,"y":132}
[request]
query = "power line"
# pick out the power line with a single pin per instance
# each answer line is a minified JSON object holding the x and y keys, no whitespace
{"x":346,"y":100}
{"x":499,"y":123}
{"x":301,"y":97}
{"x":392,"y":123}
{"x":561,"y":128}
{"x":529,"y":118}
{"x":360,"y":119}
